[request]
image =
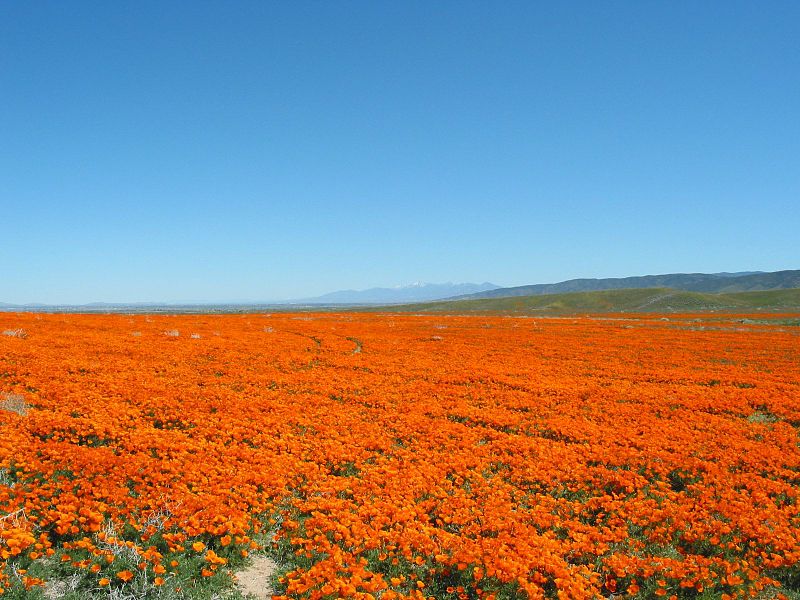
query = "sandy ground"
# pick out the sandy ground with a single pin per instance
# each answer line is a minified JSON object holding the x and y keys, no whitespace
{"x":255,"y":579}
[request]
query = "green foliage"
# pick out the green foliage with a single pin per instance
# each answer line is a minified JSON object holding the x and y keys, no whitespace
{"x":659,"y":300}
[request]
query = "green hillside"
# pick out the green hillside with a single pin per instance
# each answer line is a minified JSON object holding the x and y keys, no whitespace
{"x":709,"y":283}
{"x":663,"y":300}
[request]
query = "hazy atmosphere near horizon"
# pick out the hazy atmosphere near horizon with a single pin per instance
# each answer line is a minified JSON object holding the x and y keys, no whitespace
{"x":213,"y":152}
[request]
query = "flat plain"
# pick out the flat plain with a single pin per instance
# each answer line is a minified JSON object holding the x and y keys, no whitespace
{"x":400,"y":455}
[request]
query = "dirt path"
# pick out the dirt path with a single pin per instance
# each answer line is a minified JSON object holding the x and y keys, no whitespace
{"x":256,"y":579}
{"x":655,"y":299}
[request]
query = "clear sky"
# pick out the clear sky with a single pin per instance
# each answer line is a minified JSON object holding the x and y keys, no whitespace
{"x":211,"y":151}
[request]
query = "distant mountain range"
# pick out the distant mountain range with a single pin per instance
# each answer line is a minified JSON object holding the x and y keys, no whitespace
{"x":713,"y":283}
{"x":416,"y":292}
{"x":694,"y":282}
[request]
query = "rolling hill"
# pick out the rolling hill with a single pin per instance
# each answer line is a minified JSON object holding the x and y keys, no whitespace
{"x":693,"y":282}
{"x":661,"y":300}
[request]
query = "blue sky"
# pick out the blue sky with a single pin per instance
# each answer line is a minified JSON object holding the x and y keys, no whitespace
{"x":211,"y":151}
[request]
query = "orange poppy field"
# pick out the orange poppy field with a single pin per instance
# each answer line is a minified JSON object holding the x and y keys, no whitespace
{"x":401,"y":456}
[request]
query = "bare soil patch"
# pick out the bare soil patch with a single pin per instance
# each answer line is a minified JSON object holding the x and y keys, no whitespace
{"x":256,"y":579}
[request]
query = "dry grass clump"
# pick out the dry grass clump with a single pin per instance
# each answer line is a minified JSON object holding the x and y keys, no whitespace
{"x":13,"y":403}
{"x":172,"y":333}
{"x":18,"y":333}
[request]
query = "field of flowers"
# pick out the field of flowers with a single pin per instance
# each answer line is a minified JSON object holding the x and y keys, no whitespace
{"x":387,"y":456}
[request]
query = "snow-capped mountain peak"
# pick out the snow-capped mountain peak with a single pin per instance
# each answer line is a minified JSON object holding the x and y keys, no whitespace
{"x":415,"y":292}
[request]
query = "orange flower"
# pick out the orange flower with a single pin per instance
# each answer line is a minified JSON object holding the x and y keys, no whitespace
{"x":509,"y":447}
{"x":125,"y":575}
